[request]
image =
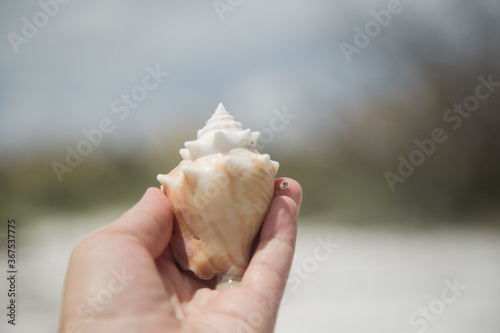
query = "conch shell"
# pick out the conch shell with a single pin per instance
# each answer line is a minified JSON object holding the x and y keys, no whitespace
{"x":220,"y":194}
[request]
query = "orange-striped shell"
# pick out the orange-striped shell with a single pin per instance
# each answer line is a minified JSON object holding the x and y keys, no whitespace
{"x":219,"y":201}
{"x":219,"y":211}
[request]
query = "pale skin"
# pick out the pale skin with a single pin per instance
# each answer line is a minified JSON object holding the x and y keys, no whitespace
{"x":123,"y":278}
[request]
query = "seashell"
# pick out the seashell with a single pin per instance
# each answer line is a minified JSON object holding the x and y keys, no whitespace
{"x":220,"y":194}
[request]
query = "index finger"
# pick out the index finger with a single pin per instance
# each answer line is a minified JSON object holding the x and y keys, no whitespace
{"x":270,"y":266}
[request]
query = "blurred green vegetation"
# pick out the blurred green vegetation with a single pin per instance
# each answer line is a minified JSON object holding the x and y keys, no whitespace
{"x":458,"y":183}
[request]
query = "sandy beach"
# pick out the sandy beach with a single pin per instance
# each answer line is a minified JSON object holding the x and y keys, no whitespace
{"x":344,"y":279}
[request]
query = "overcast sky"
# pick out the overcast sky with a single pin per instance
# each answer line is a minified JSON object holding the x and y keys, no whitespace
{"x":261,"y":55}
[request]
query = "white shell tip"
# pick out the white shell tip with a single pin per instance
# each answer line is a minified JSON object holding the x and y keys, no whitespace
{"x":275,"y":165}
{"x":255,"y":137}
{"x":185,"y":154}
{"x":220,"y":120}
{"x":165,"y":181}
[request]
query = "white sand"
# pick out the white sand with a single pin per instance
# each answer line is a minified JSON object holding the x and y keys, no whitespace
{"x":372,"y":282}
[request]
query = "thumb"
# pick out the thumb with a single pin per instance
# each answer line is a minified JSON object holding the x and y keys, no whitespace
{"x":149,"y":222}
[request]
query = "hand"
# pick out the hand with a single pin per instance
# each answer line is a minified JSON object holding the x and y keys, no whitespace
{"x":123,"y":278}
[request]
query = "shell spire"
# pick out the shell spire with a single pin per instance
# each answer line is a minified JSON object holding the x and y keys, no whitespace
{"x":221,"y":134}
{"x":220,"y":120}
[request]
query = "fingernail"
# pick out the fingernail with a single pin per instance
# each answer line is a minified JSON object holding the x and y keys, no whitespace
{"x":283,"y":185}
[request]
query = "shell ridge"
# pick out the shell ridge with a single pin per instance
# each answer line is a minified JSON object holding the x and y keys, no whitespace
{"x":221,"y":192}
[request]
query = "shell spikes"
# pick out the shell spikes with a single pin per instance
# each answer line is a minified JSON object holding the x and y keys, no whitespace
{"x":220,"y":194}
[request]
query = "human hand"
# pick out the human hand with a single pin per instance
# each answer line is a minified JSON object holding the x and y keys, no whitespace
{"x":123,"y":278}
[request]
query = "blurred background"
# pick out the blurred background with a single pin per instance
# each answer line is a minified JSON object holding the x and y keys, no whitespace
{"x":347,"y":95}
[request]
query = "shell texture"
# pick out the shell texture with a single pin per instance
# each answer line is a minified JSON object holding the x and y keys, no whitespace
{"x":220,"y":194}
